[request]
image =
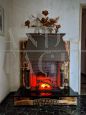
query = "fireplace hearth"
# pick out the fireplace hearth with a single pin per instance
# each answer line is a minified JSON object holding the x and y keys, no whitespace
{"x":44,"y":71}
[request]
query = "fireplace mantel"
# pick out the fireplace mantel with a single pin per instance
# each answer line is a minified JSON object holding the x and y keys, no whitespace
{"x":47,"y":43}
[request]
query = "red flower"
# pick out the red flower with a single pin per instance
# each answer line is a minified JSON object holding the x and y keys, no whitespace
{"x":27,"y":23}
{"x":58,"y":26}
{"x":45,"y":12}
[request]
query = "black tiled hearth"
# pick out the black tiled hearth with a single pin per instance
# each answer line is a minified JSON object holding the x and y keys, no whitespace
{"x":7,"y":108}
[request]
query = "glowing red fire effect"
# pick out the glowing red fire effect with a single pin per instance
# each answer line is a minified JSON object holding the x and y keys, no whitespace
{"x":45,"y":86}
{"x":45,"y":82}
{"x":41,"y":82}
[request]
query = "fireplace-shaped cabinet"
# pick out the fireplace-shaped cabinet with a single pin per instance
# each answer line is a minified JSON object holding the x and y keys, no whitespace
{"x":44,"y":61}
{"x":44,"y":71}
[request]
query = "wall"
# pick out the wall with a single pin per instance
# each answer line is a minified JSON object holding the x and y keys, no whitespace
{"x":67,"y":10}
{"x":83,"y":1}
{"x":4,"y":87}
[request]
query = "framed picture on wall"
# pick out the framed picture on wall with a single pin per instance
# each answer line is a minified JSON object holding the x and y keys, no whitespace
{"x":1,"y":20}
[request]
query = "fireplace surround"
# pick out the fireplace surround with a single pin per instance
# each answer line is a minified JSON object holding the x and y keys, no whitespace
{"x":44,"y":71}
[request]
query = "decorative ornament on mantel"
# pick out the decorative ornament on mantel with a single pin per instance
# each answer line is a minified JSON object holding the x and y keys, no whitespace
{"x":44,"y":23}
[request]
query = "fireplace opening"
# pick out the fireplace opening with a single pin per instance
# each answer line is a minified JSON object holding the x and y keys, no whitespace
{"x":45,"y":81}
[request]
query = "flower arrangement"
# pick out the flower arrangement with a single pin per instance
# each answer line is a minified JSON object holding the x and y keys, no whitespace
{"x":50,"y":23}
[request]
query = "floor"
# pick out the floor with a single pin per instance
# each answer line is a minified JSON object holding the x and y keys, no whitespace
{"x":7,"y":108}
